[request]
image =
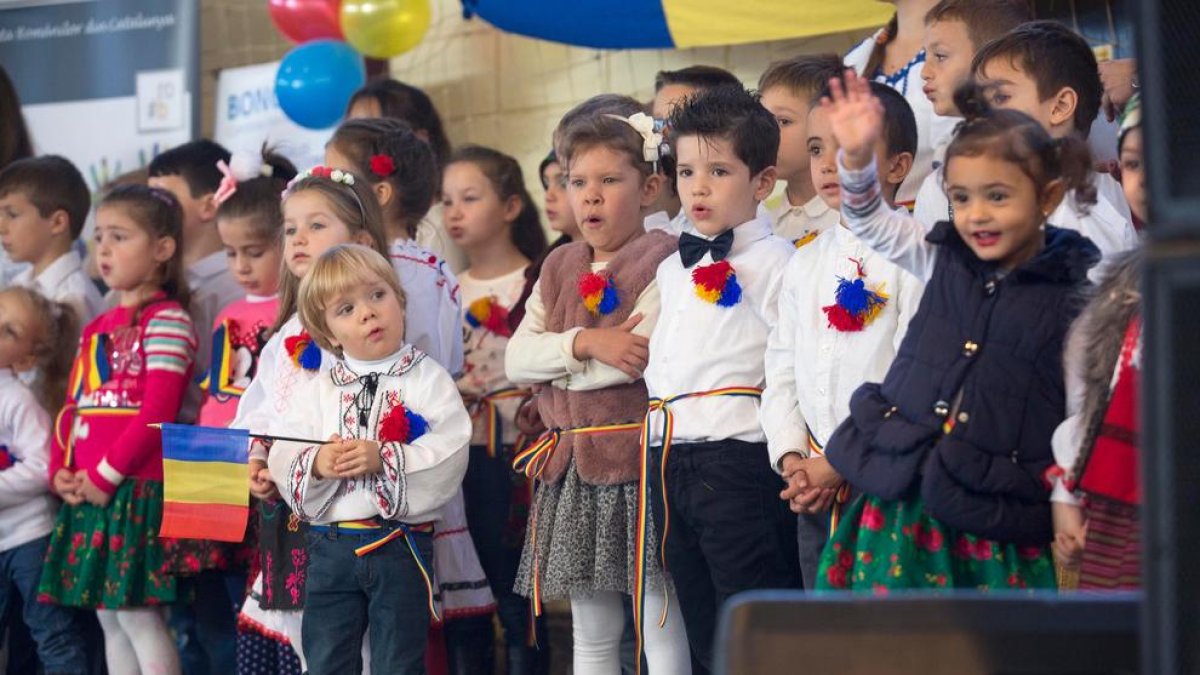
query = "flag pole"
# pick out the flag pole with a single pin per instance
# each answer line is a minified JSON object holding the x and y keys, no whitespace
{"x":261,"y":437}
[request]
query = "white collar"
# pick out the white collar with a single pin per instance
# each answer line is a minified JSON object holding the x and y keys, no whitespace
{"x":57,"y":271}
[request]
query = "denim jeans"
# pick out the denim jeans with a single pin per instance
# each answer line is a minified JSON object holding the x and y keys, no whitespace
{"x":52,"y":626}
{"x":383,"y":591}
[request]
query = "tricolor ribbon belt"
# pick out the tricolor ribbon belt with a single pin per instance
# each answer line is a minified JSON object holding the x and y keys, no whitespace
{"x":69,"y":412}
{"x":487,"y":404}
{"x":381,"y":532}
{"x":815,"y":449}
{"x":532,"y":461}
{"x":662,"y":405}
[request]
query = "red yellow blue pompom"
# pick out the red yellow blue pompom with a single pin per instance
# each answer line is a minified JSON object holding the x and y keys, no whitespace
{"x":402,"y":425}
{"x":490,"y":315}
{"x":304,"y":351}
{"x":717,"y":284}
{"x":855,"y":305}
{"x":599,"y":293}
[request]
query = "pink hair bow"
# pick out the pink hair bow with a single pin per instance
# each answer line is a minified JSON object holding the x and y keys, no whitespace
{"x":228,"y":184}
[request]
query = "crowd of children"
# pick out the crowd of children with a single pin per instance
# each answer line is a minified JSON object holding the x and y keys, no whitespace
{"x":688,"y":395}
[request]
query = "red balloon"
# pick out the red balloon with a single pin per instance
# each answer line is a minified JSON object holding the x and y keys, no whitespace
{"x":305,"y":20}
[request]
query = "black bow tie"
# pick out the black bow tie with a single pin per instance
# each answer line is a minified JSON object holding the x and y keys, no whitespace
{"x":693,"y":248}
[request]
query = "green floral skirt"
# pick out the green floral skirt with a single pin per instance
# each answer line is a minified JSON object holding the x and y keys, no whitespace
{"x":109,"y":557}
{"x":881,"y":546}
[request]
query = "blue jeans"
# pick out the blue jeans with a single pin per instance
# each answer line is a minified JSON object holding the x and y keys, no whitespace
{"x":383,"y":591}
{"x":52,"y":626}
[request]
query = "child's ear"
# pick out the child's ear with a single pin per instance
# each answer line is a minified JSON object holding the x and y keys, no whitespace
{"x":364,"y":238}
{"x":208,"y":207}
{"x":651,"y":188}
{"x":384,"y":193}
{"x":512,"y":208}
{"x":164,"y":249}
{"x":1063,"y":110}
{"x":898,"y":168}
{"x":60,"y":222}
{"x":763,"y":183}
{"x":1051,"y":196}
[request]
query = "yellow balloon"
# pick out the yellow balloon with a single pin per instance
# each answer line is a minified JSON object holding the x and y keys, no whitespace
{"x":382,"y":29}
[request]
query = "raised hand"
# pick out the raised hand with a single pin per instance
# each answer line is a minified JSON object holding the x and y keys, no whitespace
{"x":856,"y":118}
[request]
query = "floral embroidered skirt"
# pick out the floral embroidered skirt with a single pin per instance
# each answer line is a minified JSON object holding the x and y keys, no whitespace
{"x":283,"y":556}
{"x":186,"y":557}
{"x":109,"y":557}
{"x":585,"y":539}
{"x":881,"y":546}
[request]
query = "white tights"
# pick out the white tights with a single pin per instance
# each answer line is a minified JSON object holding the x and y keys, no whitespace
{"x":137,"y":642}
{"x":598,"y":621}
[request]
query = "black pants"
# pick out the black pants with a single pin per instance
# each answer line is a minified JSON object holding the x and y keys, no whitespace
{"x":729,"y":530}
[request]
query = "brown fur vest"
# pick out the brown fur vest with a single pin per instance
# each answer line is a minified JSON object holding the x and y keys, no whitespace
{"x":606,"y":459}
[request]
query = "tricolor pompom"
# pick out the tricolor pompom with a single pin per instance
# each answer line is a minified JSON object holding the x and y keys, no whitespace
{"x":6,"y":458}
{"x":855,"y":305}
{"x":304,"y":351}
{"x":402,"y":425}
{"x":490,"y":315}
{"x":717,"y":283}
{"x":599,"y":293}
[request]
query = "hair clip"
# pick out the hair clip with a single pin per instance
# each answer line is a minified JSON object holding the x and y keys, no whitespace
{"x":647,"y":128}
{"x":382,"y":165}
{"x":336,"y":175}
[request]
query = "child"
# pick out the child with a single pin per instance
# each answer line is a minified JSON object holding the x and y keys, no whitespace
{"x":43,"y":205}
{"x":133,"y":366}
{"x":1097,"y":494}
{"x":584,"y":338}
{"x":670,"y":88}
{"x":895,"y":56}
{"x":718,"y":305}
{"x":36,"y":334}
{"x":950,"y":449}
{"x":787,"y":88}
{"x":401,"y":169}
{"x":322,"y":208}
{"x":250,"y":223}
{"x":397,"y":435}
{"x":190,"y":173}
{"x":390,"y":99}
{"x":560,"y":218}
{"x":491,"y":216}
{"x":843,"y":311}
{"x":1063,"y":95}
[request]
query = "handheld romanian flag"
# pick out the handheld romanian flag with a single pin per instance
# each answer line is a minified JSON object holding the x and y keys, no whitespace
{"x":205,"y":483}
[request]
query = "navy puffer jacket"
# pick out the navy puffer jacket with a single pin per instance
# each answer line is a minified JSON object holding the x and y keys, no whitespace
{"x":982,"y":357}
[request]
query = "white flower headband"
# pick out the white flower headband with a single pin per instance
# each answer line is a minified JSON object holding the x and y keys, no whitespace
{"x":334,"y":175}
{"x":652,"y":138}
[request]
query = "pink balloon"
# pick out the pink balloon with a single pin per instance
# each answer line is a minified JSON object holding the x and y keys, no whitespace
{"x":305,"y":20}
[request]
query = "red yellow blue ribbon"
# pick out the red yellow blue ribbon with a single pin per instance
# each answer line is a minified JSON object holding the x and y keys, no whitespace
{"x":487,"y":404}
{"x":662,"y":405}
{"x":219,"y":379}
{"x":843,"y":494}
{"x":91,"y":369}
{"x":532,"y":461}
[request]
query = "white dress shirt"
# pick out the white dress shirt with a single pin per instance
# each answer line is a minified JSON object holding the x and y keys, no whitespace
{"x":483,"y":370}
{"x":65,"y":281}
{"x":813,"y":368}
{"x":699,"y":346}
{"x":26,"y":508}
{"x":797,"y":222}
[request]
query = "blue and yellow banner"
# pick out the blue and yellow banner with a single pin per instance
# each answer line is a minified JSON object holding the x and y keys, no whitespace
{"x":666,"y":24}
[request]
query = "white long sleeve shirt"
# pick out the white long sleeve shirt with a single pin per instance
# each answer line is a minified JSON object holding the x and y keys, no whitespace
{"x":275,"y":387}
{"x":812,"y":368}
{"x":26,"y":507}
{"x":699,"y":346}
{"x":433,"y":311}
{"x":418,"y":477}
{"x":535,"y":355}
{"x":65,"y":281}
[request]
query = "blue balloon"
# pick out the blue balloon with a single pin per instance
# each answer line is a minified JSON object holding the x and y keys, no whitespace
{"x":316,"y":80}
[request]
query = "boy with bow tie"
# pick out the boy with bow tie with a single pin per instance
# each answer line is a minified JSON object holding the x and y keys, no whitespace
{"x":728,"y":530}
